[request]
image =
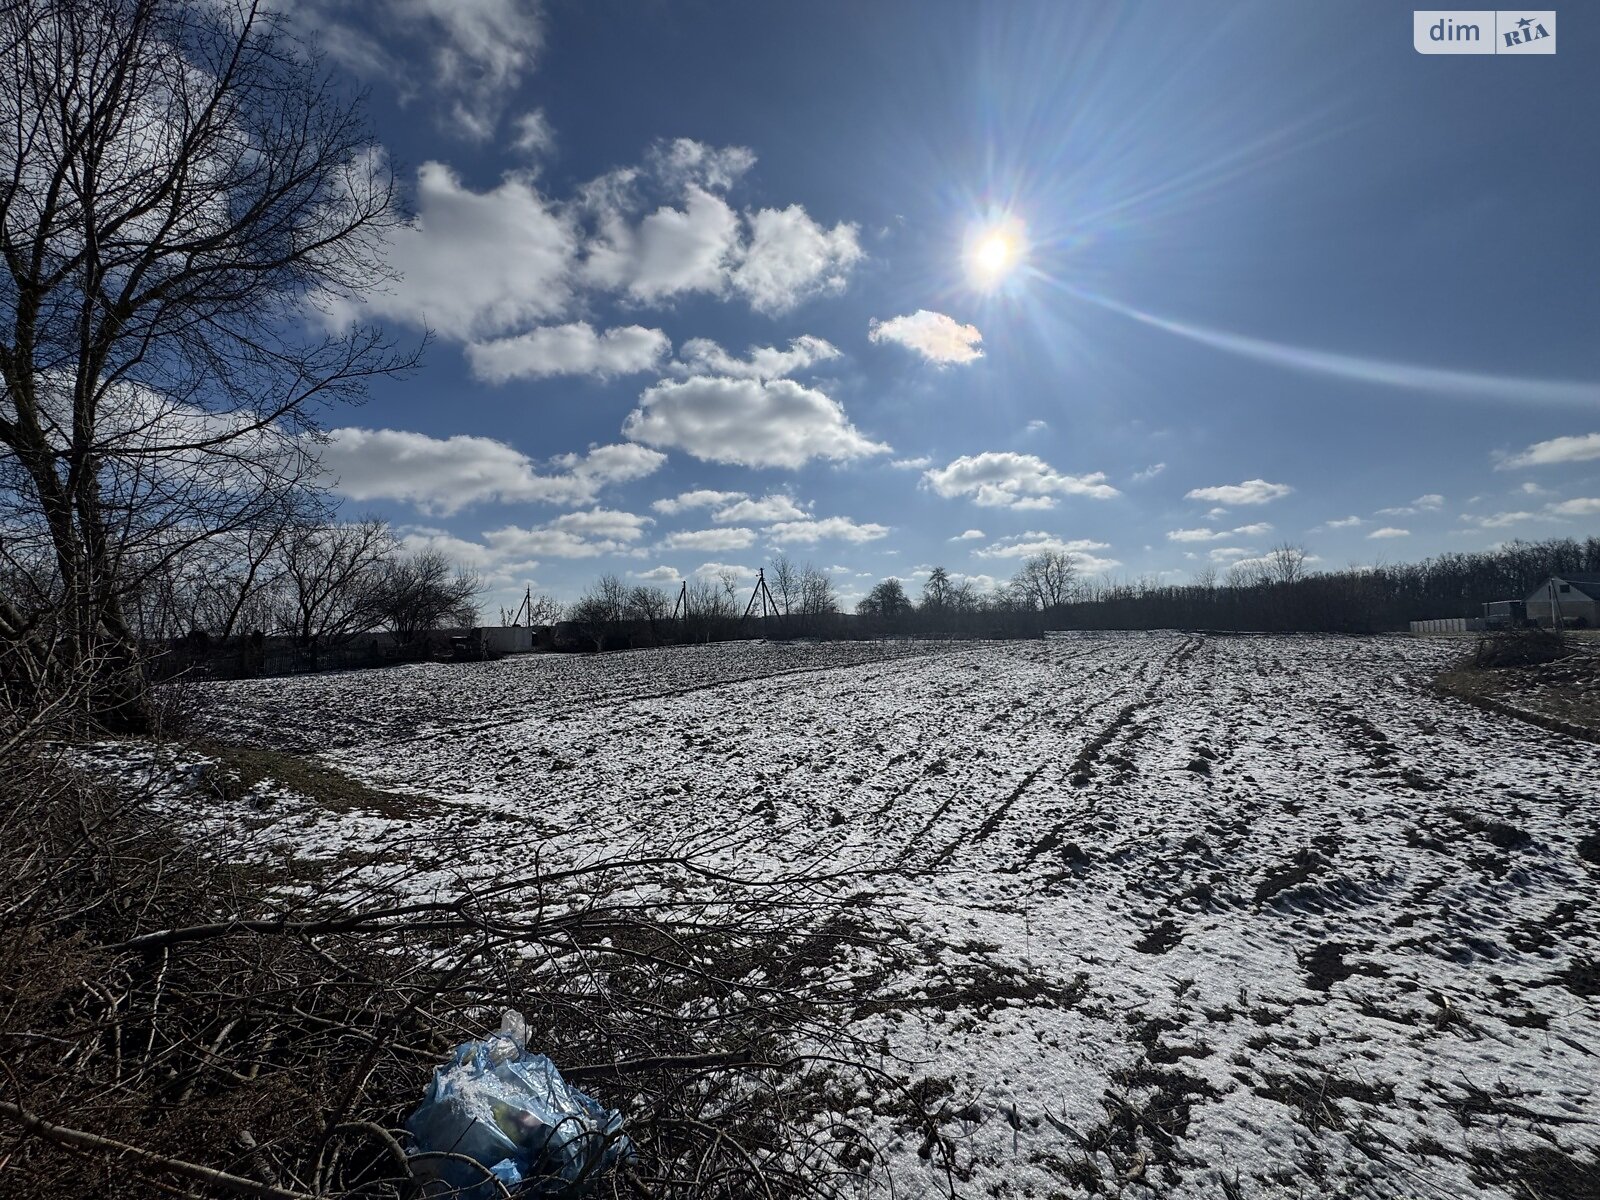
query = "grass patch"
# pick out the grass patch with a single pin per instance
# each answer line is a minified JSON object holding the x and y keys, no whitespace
{"x":245,"y":768}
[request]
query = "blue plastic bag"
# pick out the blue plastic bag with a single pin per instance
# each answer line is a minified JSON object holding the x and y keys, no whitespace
{"x":512,"y":1112}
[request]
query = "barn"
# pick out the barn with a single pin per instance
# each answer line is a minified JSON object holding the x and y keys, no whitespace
{"x":1575,"y":597}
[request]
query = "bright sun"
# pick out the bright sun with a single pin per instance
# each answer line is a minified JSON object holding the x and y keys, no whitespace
{"x":993,"y":253}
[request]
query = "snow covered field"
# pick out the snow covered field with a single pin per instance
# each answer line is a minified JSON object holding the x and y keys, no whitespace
{"x":1188,"y":916}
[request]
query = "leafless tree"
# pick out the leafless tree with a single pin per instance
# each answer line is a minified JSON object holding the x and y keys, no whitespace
{"x":1286,"y":563}
{"x":599,"y":613}
{"x":417,"y":593}
{"x":784,"y":581}
{"x":819,"y":603}
{"x":178,"y":181}
{"x":538,"y":610}
{"x":650,"y":607}
{"x":937,"y":591}
{"x":728,"y":581}
{"x":1045,"y":579}
{"x":332,"y":582}
{"x":886,"y":599}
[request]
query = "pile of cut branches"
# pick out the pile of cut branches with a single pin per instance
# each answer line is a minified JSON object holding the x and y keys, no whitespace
{"x":173,"y":1021}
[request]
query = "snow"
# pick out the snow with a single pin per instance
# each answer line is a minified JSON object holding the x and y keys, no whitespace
{"x":1181,"y":909}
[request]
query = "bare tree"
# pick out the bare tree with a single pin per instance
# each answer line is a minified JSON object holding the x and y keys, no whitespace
{"x":937,"y":591}
{"x":728,"y":581}
{"x":650,"y":607}
{"x":1286,"y":563}
{"x":420,"y":592}
{"x":601,"y":610}
{"x":177,"y":182}
{"x":536,"y":610}
{"x":784,"y":581}
{"x":886,"y":599}
{"x":819,"y":603}
{"x":1045,"y":580}
{"x":332,"y":581}
{"x":711,"y":609}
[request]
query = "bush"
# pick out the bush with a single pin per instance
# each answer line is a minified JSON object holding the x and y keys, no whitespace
{"x":1520,"y":648}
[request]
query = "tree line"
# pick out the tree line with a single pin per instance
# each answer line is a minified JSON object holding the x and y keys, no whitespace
{"x":1278,"y":593}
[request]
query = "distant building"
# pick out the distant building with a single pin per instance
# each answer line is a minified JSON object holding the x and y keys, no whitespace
{"x":1504,"y":614}
{"x":1575,"y":597}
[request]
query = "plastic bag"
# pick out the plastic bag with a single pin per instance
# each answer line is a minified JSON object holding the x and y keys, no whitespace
{"x":512,"y":1112}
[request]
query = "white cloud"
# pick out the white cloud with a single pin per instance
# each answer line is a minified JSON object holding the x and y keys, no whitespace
{"x":1579,"y":448}
{"x":479,"y":50}
{"x":569,"y":350}
{"x":533,"y":135}
{"x":684,"y":162}
{"x":1502,"y":520}
{"x":472,"y":555}
{"x":661,"y":574}
{"x":712,"y":570}
{"x":1583,"y":506}
{"x":1229,"y":553}
{"x":1345,"y":523}
{"x":1025,"y":545}
{"x":769,"y":508}
{"x":445,"y":475}
{"x":983,"y":583}
{"x":911,"y":464}
{"x":709,"y":539}
{"x":472,"y":264}
{"x":1003,"y":479}
{"x":702,"y":356}
{"x":1251,"y":491}
{"x":776,"y":423}
{"x":701,"y":498}
{"x":969,"y":536}
{"x":1149,"y":472}
{"x":574,"y":535}
{"x":1217,"y":535}
{"x":573,"y":349}
{"x":483,"y":266}
{"x":773,"y":258}
{"x":811,"y":531}
{"x":938,"y":338}
{"x":607,"y":524}
{"x":1389,"y":531}
{"x":1036,"y":426}
{"x":1432,"y":502}
{"x":670,"y":251}
{"x":791,"y":258}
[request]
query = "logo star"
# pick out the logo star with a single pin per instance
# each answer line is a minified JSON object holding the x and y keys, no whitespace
{"x":1524,"y":22}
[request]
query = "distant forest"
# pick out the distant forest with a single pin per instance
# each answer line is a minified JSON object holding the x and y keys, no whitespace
{"x":1280,"y":595}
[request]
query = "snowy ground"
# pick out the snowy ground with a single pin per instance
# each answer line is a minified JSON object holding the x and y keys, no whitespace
{"x":1245,"y":917}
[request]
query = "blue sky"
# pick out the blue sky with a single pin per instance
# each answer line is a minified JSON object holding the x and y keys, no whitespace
{"x":708,"y":281}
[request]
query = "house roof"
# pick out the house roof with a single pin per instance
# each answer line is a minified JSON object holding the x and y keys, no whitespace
{"x":1586,"y":582}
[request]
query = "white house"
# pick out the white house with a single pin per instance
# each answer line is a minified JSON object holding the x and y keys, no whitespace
{"x":1575,"y":597}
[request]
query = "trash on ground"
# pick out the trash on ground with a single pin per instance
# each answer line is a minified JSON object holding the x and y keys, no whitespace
{"x":495,"y":1109}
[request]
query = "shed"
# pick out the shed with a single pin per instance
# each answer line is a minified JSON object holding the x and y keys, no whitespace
{"x":1575,"y":596}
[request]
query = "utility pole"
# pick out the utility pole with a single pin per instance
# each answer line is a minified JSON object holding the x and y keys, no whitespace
{"x":769,"y":606}
{"x":525,"y":607}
